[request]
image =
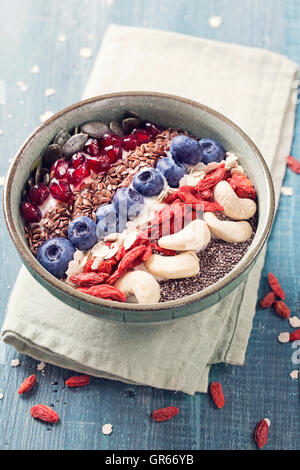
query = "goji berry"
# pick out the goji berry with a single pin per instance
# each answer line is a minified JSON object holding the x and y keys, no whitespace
{"x":27,"y":384}
{"x":89,"y":279}
{"x":275,"y":286}
{"x":268,"y":300}
{"x":262,"y":432}
{"x":164,"y":414}
{"x":88,"y":266}
{"x":293,"y":164}
{"x":282,"y":309}
{"x":212,"y":179}
{"x":158,"y":248}
{"x":45,"y":413}
{"x":295,"y":335}
{"x":107,"y":266}
{"x":217,"y":395}
{"x":104,"y":291}
{"x":78,"y":381}
{"x":242,"y":186}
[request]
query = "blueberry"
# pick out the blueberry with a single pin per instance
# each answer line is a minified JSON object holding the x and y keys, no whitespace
{"x":186,"y":150}
{"x":172,"y":171}
{"x":212,"y":151}
{"x":128,"y":202}
{"x":82,"y":233}
{"x":109,"y":220}
{"x":55,"y":255}
{"x":148,"y":182}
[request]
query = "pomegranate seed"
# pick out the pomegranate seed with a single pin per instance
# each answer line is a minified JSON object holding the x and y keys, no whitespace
{"x":111,"y":139}
{"x":61,"y":191}
{"x":152,"y":129}
{"x":77,"y":160}
{"x":59,"y":169}
{"x":105,"y":163}
{"x":38,"y":193}
{"x":142,"y":137}
{"x":93,"y":164}
{"x":30,"y":212}
{"x":75,"y":176}
{"x":113,"y":153}
{"x":129,"y":142}
{"x":93,"y":147}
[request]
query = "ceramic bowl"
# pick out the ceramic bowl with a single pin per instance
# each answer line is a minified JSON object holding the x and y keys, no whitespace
{"x":167,"y":111}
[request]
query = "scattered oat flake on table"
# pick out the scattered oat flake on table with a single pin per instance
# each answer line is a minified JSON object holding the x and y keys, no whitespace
{"x":1,"y":396}
{"x":15,"y":363}
{"x":50,"y":91}
{"x":215,"y":21}
{"x":2,"y":180}
{"x":1,"y":132}
{"x":46,"y":115}
{"x":294,"y":374}
{"x":35,"y":69}
{"x":287,"y":191}
{"x":107,"y":429}
{"x":294,"y":322}
{"x":41,"y":366}
{"x":22,"y":85}
{"x":9,"y":116}
{"x":62,"y":38}
{"x":86,"y":52}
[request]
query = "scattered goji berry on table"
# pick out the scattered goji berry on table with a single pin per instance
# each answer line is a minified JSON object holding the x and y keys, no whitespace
{"x":78,"y":381}
{"x":217,"y":395}
{"x":262,"y":432}
{"x":282,"y":309}
{"x":44,"y":413}
{"x":27,"y":384}
{"x":164,"y":414}
{"x":275,"y":286}
{"x":268,"y":300}
{"x":293,"y":164}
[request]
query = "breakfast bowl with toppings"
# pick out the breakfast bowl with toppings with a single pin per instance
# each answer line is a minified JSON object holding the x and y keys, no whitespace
{"x":139,"y":207}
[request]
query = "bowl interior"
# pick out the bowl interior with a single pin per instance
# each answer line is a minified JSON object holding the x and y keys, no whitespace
{"x":164,"y":110}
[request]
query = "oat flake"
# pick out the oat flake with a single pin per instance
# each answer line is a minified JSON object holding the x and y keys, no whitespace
{"x":22,"y":85}
{"x":287,"y":191}
{"x":86,"y":52}
{"x":62,"y":38}
{"x":50,"y":91}
{"x":294,"y":374}
{"x":107,"y":429}
{"x":215,"y":21}
{"x":1,"y":396}
{"x":41,"y":366}
{"x":2,"y":180}
{"x":46,"y":115}
{"x":15,"y":363}
{"x":35,"y":69}
{"x":294,"y":322}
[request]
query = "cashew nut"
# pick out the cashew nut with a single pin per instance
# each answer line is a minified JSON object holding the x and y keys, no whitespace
{"x":174,"y":267}
{"x":232,"y":232}
{"x":142,"y":285}
{"x":195,"y":236}
{"x":234,"y":207}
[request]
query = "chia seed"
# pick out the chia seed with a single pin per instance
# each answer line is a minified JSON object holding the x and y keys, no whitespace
{"x":217,"y":260}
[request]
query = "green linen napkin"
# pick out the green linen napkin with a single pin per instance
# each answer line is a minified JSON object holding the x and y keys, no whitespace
{"x":254,"y":88}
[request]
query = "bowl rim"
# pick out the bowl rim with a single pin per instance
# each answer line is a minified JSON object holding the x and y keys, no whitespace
{"x":30,"y":261}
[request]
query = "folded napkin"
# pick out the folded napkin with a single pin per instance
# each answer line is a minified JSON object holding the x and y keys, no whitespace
{"x":253,"y":88}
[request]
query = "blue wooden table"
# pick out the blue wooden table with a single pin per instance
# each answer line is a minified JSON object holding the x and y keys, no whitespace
{"x":50,"y":34}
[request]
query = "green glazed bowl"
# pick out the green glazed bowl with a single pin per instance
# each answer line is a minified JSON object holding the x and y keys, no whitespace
{"x":167,"y":111}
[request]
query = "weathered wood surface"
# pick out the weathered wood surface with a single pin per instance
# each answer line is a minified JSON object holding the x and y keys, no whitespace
{"x":262,"y":388}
